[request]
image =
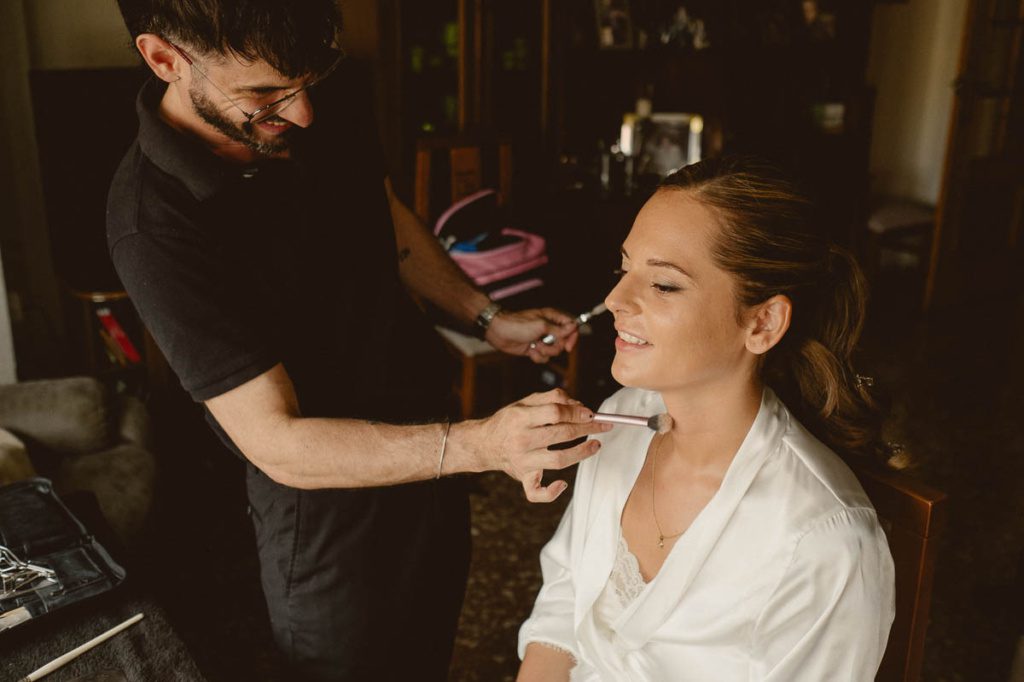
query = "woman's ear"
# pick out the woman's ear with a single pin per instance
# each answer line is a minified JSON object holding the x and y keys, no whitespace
{"x":769,"y":323}
{"x":165,"y":62}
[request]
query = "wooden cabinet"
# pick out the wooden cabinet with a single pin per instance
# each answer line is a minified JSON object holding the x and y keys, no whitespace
{"x":533,"y":71}
{"x":976,"y":249}
{"x":458,"y":66}
{"x":768,"y":83}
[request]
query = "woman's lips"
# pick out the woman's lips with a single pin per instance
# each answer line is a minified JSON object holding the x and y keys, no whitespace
{"x":630,"y":342}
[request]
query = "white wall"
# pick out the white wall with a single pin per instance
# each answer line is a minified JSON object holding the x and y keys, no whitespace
{"x":915,"y":49}
{"x":8,"y":368}
{"x":24,"y":239}
{"x":77,"y":34}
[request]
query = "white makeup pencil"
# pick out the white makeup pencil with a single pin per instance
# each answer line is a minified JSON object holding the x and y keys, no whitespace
{"x":662,"y":423}
{"x":78,"y":651}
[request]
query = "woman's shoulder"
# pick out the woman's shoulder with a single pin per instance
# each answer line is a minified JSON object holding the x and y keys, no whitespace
{"x":822,"y":478}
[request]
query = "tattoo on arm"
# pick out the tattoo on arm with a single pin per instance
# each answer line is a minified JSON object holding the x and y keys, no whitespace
{"x":404,"y":254}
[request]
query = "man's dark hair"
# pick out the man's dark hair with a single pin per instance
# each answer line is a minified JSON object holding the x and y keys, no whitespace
{"x":293,"y":36}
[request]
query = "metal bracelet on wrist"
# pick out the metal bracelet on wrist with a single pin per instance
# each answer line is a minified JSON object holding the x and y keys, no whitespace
{"x":487,"y":315}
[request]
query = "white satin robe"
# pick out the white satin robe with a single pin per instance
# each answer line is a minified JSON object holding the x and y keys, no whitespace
{"x":785,"y":576}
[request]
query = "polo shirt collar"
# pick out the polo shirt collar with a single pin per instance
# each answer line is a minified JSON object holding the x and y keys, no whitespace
{"x":175,"y":153}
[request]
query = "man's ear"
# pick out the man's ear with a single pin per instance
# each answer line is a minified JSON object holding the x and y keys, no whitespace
{"x":769,"y":322}
{"x":163,"y":59}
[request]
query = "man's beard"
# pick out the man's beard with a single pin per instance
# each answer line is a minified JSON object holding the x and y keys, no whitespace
{"x":244,"y":133}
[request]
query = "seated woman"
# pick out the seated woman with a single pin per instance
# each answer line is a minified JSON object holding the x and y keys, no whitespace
{"x":738,"y":545}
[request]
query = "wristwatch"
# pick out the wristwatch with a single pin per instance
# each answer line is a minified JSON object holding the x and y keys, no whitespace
{"x":487,"y":315}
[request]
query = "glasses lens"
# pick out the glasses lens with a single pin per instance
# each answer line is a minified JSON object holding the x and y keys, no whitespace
{"x":277,"y":107}
{"x":274,"y":109}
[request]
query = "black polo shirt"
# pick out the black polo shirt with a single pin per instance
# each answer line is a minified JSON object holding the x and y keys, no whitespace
{"x":234,"y":268}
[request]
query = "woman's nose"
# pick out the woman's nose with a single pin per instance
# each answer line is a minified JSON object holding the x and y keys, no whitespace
{"x":620,"y":299}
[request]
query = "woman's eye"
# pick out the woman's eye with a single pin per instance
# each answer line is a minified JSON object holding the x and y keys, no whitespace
{"x":665,"y":288}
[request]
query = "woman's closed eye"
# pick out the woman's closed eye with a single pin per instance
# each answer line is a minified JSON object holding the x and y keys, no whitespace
{"x":665,"y":288}
{"x":660,"y":287}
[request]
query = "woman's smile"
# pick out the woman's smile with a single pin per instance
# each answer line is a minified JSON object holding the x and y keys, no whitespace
{"x":626,"y":341}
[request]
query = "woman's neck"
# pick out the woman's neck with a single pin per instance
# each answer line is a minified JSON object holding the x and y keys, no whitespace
{"x":709,"y":424}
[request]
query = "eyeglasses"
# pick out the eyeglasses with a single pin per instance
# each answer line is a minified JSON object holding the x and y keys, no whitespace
{"x":268,"y":110}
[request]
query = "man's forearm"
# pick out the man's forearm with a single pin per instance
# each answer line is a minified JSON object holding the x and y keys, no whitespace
{"x":262,"y":417}
{"x":428,"y":271}
{"x":347,"y":453}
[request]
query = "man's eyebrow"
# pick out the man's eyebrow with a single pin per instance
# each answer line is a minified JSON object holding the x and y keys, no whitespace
{"x":260,"y":89}
{"x":654,"y":262}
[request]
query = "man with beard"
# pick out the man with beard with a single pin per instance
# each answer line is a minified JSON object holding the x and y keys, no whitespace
{"x":269,"y":257}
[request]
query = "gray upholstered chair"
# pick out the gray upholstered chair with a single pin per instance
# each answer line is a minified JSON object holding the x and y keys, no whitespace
{"x":82,"y":438}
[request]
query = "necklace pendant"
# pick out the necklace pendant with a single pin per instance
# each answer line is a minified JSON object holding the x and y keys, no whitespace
{"x":661,"y":541}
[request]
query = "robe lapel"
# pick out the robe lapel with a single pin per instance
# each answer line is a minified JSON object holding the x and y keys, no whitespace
{"x":662,"y":596}
{"x":627,"y":447}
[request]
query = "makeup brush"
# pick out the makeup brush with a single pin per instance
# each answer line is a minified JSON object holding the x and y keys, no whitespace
{"x":578,"y":320}
{"x":662,"y":423}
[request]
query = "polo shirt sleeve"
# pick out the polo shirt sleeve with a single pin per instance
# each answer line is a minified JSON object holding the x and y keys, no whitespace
{"x":213,"y":336}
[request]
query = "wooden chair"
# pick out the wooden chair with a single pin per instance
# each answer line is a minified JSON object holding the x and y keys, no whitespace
{"x":465,"y":159}
{"x":913,"y":516}
{"x":465,"y":156}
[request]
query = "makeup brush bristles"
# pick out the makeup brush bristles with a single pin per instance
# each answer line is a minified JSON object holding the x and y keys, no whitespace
{"x":662,"y":423}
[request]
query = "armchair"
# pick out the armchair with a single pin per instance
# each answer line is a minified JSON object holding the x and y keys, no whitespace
{"x":82,"y":438}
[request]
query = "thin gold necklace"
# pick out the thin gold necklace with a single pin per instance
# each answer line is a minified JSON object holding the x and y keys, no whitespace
{"x":654,"y":512}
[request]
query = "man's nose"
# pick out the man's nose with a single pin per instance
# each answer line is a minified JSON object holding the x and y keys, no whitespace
{"x":299,"y":112}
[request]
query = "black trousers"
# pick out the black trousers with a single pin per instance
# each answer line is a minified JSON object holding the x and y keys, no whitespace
{"x":363,"y":584}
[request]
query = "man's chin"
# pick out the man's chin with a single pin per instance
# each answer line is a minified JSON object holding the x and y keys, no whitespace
{"x":267,"y":144}
{"x":269,"y":147}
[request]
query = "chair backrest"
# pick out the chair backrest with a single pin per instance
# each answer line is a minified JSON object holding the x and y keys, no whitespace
{"x":466,"y":156}
{"x":913,"y":516}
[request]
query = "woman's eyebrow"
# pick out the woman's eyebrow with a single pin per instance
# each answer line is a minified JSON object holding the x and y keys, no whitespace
{"x":654,"y":262}
{"x":668,"y":264}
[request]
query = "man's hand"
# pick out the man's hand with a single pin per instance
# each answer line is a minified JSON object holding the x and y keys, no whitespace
{"x":516,"y":438}
{"x":519,"y":333}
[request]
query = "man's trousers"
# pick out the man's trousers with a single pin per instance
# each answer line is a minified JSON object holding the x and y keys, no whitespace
{"x":363,"y":584}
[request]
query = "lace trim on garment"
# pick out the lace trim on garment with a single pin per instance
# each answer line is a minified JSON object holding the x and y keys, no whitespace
{"x":626,"y":577}
{"x":556,"y":648}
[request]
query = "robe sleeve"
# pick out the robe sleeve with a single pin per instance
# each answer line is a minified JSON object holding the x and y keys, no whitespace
{"x":829,"y":616}
{"x":551,"y":622}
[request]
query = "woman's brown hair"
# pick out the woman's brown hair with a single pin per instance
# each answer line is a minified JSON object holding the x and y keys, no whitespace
{"x":769,"y":240}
